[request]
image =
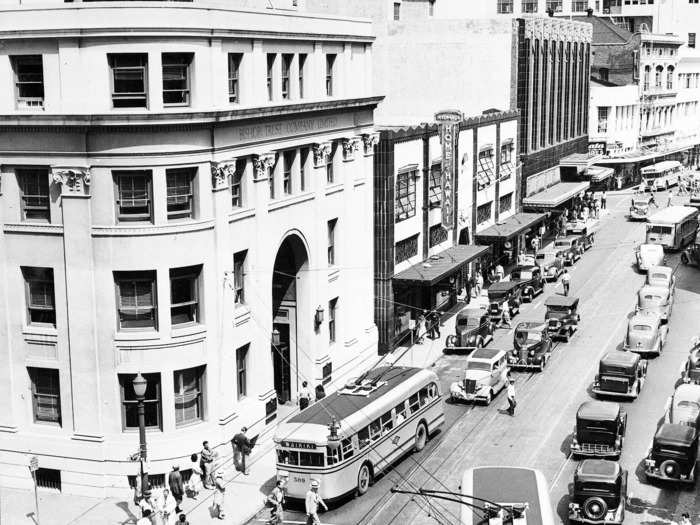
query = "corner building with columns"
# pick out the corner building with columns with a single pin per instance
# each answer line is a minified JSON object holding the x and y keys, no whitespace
{"x":186,"y":193}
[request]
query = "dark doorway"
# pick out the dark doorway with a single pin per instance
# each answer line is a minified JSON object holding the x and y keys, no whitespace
{"x":464,"y":236}
{"x":281,"y":364}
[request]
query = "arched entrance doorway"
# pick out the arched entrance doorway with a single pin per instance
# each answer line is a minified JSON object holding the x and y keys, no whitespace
{"x":287,"y":284}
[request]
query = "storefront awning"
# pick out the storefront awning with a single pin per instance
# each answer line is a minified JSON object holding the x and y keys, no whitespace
{"x":555,"y":195}
{"x":438,"y":267}
{"x":510,"y":227}
{"x":580,"y":160}
{"x":599,"y":173}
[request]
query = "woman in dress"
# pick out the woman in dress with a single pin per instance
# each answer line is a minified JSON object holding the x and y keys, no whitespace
{"x":194,"y":485}
{"x":219,"y":490}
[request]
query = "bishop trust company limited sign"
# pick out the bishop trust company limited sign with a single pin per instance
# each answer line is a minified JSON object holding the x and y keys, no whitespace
{"x":448,"y":125}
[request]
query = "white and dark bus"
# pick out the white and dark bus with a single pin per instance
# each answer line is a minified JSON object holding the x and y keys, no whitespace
{"x":662,"y":175}
{"x":673,"y":227}
{"x":383,"y":415}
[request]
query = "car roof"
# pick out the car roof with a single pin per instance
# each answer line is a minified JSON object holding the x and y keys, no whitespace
{"x":645,"y":317}
{"x":471,"y":311}
{"x":620,"y":358}
{"x":598,"y":411}
{"x":531,"y":325}
{"x":674,"y":434}
{"x":503,"y":286}
{"x":561,"y":300}
{"x":651,"y":247}
{"x":650,"y":288}
{"x":486,"y":354}
{"x":597,"y":470}
{"x":687,"y":392}
{"x":661,"y":269}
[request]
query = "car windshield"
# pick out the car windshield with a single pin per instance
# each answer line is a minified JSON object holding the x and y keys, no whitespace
{"x":640,"y":204}
{"x":496,"y":295}
{"x":598,"y":489}
{"x":469,"y":322}
{"x":523,"y":336}
{"x":689,"y":405}
{"x":562,"y":244}
{"x":661,"y":276}
{"x":541,"y":256}
{"x":478,"y":365}
{"x":641,"y":328}
{"x":522,"y":274}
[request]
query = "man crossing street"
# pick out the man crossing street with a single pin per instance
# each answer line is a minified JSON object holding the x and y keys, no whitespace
{"x":566,"y":282}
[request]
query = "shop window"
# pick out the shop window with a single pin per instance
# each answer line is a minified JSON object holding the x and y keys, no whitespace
{"x":483,"y":213}
{"x":405,"y":249}
{"x":438,"y":235}
{"x":405,"y":195}
{"x":435,"y":185}
{"x":485,"y":171}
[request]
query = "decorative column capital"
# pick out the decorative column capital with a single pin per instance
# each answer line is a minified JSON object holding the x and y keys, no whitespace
{"x":370,"y":140}
{"x":262,"y":164}
{"x":321,"y":151}
{"x":221,"y":173}
{"x":350,"y":146}
{"x":73,"y":181}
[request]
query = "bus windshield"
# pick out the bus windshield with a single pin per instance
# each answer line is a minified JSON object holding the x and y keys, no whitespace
{"x":657,"y":228}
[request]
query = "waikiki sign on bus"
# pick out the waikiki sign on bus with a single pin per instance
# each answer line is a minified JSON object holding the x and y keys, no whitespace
{"x":448,"y":122}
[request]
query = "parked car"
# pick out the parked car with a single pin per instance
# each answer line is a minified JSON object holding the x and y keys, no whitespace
{"x":639,"y":209}
{"x":586,"y":240}
{"x":562,"y":317}
{"x":531,"y":346}
{"x":691,"y":370}
{"x":600,"y":493}
{"x":620,"y":374}
{"x":570,"y":247}
{"x":473,"y":329}
{"x":655,"y":299}
{"x":530,"y":279}
{"x":599,"y":430}
{"x":649,"y":255}
{"x":576,"y":225}
{"x":683,"y":407}
{"x":501,"y":294}
{"x":551,"y":263}
{"x":672,"y":454}
{"x":484,"y":377}
{"x":646,"y":334}
{"x":662,"y":276}
{"x":691,"y":253}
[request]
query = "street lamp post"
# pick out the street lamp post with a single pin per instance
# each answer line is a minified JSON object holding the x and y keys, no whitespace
{"x":139,"y":383}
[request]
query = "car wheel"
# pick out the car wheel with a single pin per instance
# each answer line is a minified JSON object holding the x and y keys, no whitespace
{"x":543,"y":363}
{"x":527,"y":297}
{"x":567,"y":336}
{"x":421,"y":437}
{"x":364,"y":479}
{"x":595,"y":508}
{"x":670,"y":468}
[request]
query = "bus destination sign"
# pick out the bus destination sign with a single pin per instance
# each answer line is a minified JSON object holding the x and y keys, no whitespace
{"x":298,"y":444}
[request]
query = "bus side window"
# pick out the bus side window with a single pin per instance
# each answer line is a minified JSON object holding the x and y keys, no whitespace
{"x":423,"y":395}
{"x":400,"y":413}
{"x":413,"y":403}
{"x":363,"y":438}
{"x":332,"y":456}
{"x":346,"y":446}
{"x":375,"y":430}
{"x":310,"y":459}
{"x":432,"y":390}
{"x":288,"y":457}
{"x":387,"y":422}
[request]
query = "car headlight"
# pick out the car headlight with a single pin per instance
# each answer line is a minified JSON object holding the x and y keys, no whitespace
{"x":532,"y":353}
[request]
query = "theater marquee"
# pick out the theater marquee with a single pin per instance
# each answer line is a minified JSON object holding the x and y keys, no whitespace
{"x":448,"y":122}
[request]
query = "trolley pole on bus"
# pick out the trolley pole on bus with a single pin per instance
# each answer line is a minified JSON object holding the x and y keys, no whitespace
{"x":33,"y":467}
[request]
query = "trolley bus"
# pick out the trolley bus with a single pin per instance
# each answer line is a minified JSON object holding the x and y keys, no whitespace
{"x":662,"y":175}
{"x":346,"y":439}
{"x":520,"y":494}
{"x":673,"y":227}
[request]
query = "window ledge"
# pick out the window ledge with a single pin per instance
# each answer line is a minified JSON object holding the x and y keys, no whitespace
{"x":241,"y":314}
{"x":150,"y":229}
{"x":43,"y":331}
{"x":359,"y":181}
{"x":351,"y":342}
{"x":334,"y":188}
{"x":239,"y":214}
{"x":146,"y":335}
{"x":333,"y":273}
{"x":290,"y":201}
{"x":34,"y":228}
{"x":189,"y":330}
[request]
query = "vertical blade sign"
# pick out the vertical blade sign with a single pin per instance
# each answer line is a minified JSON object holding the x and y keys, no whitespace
{"x":448,"y":122}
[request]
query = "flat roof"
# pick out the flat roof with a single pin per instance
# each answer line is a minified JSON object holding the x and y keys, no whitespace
{"x":661,"y":166}
{"x":510,"y":227}
{"x":620,"y":358}
{"x":508,"y":485}
{"x":556,"y":195}
{"x":599,"y":173}
{"x":437,"y":267}
{"x":561,"y":300}
{"x":598,"y":411}
{"x":672,"y":215}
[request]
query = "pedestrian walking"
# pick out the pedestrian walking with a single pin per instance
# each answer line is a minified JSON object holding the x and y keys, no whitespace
{"x":535,"y":244}
{"x":194,"y":484}
{"x":219,"y":490}
{"x":566,"y":282}
{"x":157,"y":501}
{"x":206,"y":462}
{"x":320,"y":392}
{"x":435,"y":324}
{"x":304,"y":395}
{"x":652,"y":199}
{"x":468,"y":287}
{"x":500,"y":273}
{"x":479,"y":283}
{"x":510,"y":393}
{"x":275,"y":502}
{"x":313,"y":500}
{"x":241,"y":448}
{"x":182,"y":520}
{"x":603,"y":200}
{"x":169,"y":508}
{"x":668,"y":201}
{"x":145,"y":518}
{"x":597,"y":209}
{"x":177,"y":487}
{"x":505,"y":316}
{"x":420,"y":327}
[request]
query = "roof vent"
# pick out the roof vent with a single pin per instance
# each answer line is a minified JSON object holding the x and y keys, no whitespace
{"x":364,"y":388}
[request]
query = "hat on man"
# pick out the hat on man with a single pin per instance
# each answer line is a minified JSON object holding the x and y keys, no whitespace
{"x":314,"y":484}
{"x":176,"y":467}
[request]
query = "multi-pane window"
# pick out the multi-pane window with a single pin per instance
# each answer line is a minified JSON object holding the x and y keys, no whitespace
{"x":234,"y":66}
{"x":331,"y":241}
{"x":271,"y":181}
{"x":483,"y":213}
{"x":505,"y":202}
{"x":237,"y":183}
{"x":506,"y":161}
{"x":332,"y":313}
{"x":435,"y":185}
{"x":330,"y":70}
{"x":691,"y":39}
{"x":270,"y":71}
{"x":579,"y":6}
{"x":189,"y":395}
{"x":29,"y":81}
{"x":669,"y":77}
{"x":658,"y":77}
{"x":129,"y":84}
{"x":242,"y":371}
{"x":603,"y":119}
{"x":133,"y":189}
{"x":288,"y":163}
{"x":405,"y":195}
{"x":302,"y":65}
{"x":179,"y":184}
{"x":184,"y":295}
{"x":286,"y":67}
{"x":46,"y":395}
{"x":330,"y":158}
{"x":303,"y":161}
{"x":505,"y":6}
{"x":151,"y":403}
{"x":176,"y":79}
{"x":438,"y":235}
{"x":239,"y":276}
{"x":529,"y":6}
{"x":485,"y":171}
{"x":39,"y":292}
{"x":34,"y":194}
{"x":554,"y":5}
{"x":647,"y":73}
{"x":405,"y":249}
{"x":397,"y":11}
{"x":136,"y":300}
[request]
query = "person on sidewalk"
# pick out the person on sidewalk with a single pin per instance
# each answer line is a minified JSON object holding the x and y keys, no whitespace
{"x":479,"y":283}
{"x":194,"y":484}
{"x":320,"y":392}
{"x":313,"y":500}
{"x":420,"y":328}
{"x":206,"y":462}
{"x":603,"y":200}
{"x":169,"y":508}
{"x":505,"y":316}
{"x":468,"y":287}
{"x":219,"y":490}
{"x":182,"y":520}
{"x":435,"y":324}
{"x":500,"y":272}
{"x":241,"y":448}
{"x":566,"y":282}
{"x":510,"y":392}
{"x":669,"y":200}
{"x":275,"y":502}
{"x":145,"y":518}
{"x":652,"y":200}
{"x":177,"y":487}
{"x":304,"y":395}
{"x":596,"y":209}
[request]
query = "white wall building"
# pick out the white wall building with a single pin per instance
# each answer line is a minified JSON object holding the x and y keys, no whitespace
{"x":169,"y":198}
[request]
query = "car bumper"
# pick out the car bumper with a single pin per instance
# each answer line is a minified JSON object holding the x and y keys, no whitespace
{"x":459,"y":349}
{"x":530,"y":362}
{"x":589,"y":452}
{"x":616,"y":517}
{"x":641,"y":351}
{"x":610,"y":393}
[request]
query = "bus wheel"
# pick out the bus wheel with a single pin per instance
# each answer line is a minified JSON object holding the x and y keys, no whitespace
{"x":364,"y":479}
{"x":421,"y":437}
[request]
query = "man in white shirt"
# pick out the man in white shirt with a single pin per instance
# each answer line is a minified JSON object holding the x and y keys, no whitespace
{"x":313,"y":500}
{"x":510,"y":392}
{"x":566,"y":282}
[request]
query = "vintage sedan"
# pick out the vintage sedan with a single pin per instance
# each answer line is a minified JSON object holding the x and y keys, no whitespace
{"x":570,"y":247}
{"x":503,"y":294}
{"x":639,"y":208}
{"x":657,"y":299}
{"x":673,"y":454}
{"x":600,"y":493}
{"x":649,"y":255}
{"x":561,"y":316}
{"x":646,"y":333}
{"x":683,"y":407}
{"x":532,"y":346}
{"x":662,"y":276}
{"x":530,"y":278}
{"x":576,"y":225}
{"x":551,"y":263}
{"x":691,"y":370}
{"x":620,"y":374}
{"x":599,"y":430}
{"x":473,"y":329}
{"x":484,"y":377}
{"x":586,"y":240}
